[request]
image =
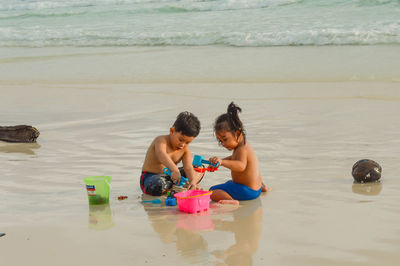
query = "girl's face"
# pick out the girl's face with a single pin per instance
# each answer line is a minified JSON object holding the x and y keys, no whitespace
{"x":227,"y":139}
{"x":178,"y":140}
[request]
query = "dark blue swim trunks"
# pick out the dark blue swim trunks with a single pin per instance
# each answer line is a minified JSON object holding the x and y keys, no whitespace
{"x":238,"y":191}
{"x":156,"y":184}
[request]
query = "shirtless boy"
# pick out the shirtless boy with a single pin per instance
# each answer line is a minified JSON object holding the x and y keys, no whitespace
{"x":168,"y":151}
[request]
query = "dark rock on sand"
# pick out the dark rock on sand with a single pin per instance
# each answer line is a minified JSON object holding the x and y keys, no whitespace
{"x":366,"y":171}
{"x":21,"y":133}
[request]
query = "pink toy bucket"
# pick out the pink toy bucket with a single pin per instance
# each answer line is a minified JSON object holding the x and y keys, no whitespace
{"x":193,"y":201}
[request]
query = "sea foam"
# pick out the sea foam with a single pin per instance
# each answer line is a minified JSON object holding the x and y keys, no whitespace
{"x":37,"y":23}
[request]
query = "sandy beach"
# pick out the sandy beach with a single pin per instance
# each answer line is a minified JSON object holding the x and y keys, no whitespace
{"x":310,"y":113}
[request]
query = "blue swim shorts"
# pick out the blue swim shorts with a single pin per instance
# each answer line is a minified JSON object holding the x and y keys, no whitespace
{"x":238,"y":191}
{"x":157,"y":184}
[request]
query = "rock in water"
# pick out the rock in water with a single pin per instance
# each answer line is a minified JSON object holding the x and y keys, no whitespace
{"x":366,"y":171}
{"x":21,"y":133}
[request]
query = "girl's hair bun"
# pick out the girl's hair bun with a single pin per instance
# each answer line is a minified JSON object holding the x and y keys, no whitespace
{"x":233,"y":113}
{"x":230,"y":121}
{"x":233,"y":109}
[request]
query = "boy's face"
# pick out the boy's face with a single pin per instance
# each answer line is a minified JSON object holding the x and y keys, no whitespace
{"x":227,"y":139}
{"x":178,"y":140}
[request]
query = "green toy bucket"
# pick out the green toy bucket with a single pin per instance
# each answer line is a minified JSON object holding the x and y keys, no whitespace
{"x":98,"y":189}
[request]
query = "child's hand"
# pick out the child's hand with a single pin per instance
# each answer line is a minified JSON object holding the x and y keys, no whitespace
{"x":193,"y":185}
{"x":176,"y":177}
{"x":215,"y":161}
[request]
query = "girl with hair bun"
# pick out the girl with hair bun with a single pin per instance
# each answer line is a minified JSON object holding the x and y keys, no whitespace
{"x":246,"y":183}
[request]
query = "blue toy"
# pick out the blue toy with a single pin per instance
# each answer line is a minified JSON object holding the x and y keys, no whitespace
{"x":183,"y":179}
{"x":199,"y":160}
{"x":155,"y":201}
{"x":170,"y":201}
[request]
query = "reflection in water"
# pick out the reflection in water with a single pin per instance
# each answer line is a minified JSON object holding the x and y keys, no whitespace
{"x":191,"y":246}
{"x":187,"y":231}
{"x":100,"y":217}
{"x":195,"y":222}
{"x":27,"y":148}
{"x":174,"y":226}
{"x":246,"y":226}
{"x":371,"y":189}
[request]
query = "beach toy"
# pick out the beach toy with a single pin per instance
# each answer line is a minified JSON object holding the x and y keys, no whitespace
{"x":204,"y":169}
{"x":198,"y":162}
{"x":170,"y":201}
{"x":98,"y":189}
{"x":155,"y":201}
{"x":193,"y":201}
{"x":181,"y":182}
{"x":171,"y":193}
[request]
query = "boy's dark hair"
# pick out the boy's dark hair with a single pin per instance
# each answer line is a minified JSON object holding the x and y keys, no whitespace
{"x":230,"y":121}
{"x":188,"y":124}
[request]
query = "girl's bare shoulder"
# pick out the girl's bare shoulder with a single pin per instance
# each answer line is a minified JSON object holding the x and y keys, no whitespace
{"x":247,"y":147}
{"x":240,"y":150}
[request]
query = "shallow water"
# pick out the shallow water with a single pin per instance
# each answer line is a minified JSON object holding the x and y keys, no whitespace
{"x":307,"y":136}
{"x":261,"y":23}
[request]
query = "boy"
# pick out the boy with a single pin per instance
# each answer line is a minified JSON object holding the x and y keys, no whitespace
{"x":168,"y":151}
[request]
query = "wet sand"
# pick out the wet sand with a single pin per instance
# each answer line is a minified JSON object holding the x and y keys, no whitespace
{"x":310,"y":114}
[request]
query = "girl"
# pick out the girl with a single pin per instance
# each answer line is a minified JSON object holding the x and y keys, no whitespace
{"x":246,"y":183}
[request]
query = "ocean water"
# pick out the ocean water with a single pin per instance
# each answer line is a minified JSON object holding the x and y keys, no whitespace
{"x":48,"y":23}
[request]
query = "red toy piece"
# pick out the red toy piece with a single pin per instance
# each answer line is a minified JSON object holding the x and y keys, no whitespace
{"x":122,"y":197}
{"x":203,"y":169}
